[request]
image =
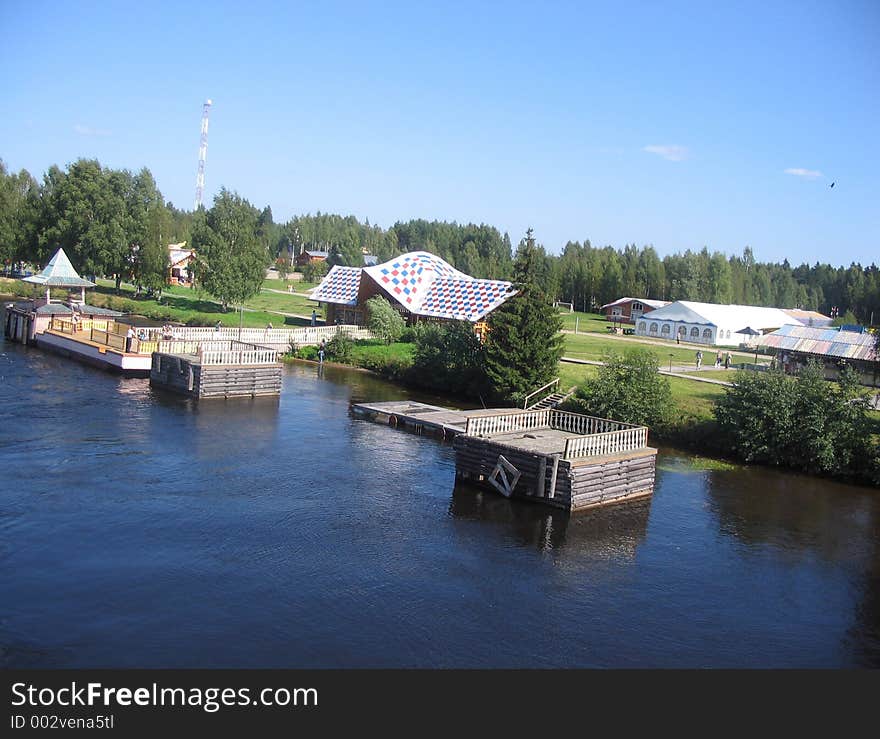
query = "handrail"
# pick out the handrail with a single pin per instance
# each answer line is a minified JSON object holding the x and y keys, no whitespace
{"x":610,"y":442}
{"x":540,"y":389}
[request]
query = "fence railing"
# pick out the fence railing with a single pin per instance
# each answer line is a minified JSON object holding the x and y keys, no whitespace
{"x":576,"y":423}
{"x":550,"y":384}
{"x":595,"y":436}
{"x":238,"y":356}
{"x":507,"y":423}
{"x":611,"y":442}
{"x":107,"y":338}
{"x":301,"y":335}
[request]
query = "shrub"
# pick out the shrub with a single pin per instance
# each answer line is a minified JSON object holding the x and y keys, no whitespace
{"x":383,"y":320}
{"x":628,"y":388}
{"x":340,"y":348}
{"x":448,"y":358}
{"x":802,"y":422}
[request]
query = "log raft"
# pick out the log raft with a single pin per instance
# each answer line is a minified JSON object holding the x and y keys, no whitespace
{"x":219,"y":370}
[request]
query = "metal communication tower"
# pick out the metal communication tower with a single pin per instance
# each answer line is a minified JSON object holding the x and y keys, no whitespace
{"x":203,"y":153}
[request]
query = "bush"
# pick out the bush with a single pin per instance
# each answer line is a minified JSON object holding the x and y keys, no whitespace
{"x":340,"y":348}
{"x":448,"y":358}
{"x":383,"y":320}
{"x":801,"y":422}
{"x":628,"y":388}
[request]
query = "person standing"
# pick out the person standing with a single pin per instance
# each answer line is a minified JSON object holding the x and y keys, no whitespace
{"x":727,"y":361}
{"x":699,"y":358}
{"x":314,"y":318}
{"x":718,"y":360}
{"x":129,"y":335}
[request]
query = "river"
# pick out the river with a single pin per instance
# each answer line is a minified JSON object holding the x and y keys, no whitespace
{"x":138,"y":529}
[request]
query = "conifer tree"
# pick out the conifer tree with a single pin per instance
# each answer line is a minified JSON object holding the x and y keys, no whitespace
{"x":524,"y":343}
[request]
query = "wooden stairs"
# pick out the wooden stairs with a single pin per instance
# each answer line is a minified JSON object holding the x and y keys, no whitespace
{"x":553,"y":399}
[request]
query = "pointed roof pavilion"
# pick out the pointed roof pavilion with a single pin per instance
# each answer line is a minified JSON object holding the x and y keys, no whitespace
{"x":59,"y":273}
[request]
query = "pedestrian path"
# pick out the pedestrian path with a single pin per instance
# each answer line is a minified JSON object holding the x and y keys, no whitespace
{"x":677,"y":371}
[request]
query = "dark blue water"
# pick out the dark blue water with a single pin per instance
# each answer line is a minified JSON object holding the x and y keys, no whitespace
{"x":142,"y":530}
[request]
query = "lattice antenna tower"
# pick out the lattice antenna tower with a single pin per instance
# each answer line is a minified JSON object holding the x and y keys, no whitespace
{"x":203,"y":154}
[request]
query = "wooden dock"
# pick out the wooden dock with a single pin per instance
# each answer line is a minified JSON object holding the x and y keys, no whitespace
{"x":421,"y":418}
{"x":227,"y":369}
{"x":566,"y":460}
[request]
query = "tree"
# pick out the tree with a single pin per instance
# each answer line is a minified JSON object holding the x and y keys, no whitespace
{"x":524,"y":342}
{"x":232,"y":259}
{"x":628,"y":388}
{"x":448,"y":358}
{"x":315,"y":271}
{"x":383,"y":320}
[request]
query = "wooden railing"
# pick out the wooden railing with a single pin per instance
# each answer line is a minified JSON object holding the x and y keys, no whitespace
{"x":539,"y":390}
{"x":611,"y":442}
{"x":238,"y":356}
{"x":576,"y":423}
{"x":507,"y":423}
{"x":114,"y":341}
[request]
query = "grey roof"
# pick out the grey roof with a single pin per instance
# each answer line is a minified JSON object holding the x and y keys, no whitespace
{"x":59,"y":273}
{"x":61,"y":309}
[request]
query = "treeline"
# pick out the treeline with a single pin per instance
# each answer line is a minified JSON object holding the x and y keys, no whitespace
{"x":114,"y":222}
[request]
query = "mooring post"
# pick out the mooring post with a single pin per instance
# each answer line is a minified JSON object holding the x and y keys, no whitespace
{"x":552,"y":490}
{"x":542,"y":474}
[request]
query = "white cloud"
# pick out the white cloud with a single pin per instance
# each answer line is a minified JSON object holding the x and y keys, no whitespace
{"x":670,"y":152}
{"x":89,"y":131}
{"x":810,"y":174}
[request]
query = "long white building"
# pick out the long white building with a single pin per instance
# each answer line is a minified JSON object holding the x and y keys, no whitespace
{"x":711,"y":323}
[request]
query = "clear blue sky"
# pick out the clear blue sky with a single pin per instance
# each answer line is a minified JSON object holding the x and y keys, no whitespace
{"x":673,"y":124}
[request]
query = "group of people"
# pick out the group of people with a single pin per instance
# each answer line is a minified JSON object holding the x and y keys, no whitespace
{"x":168,"y":332}
{"x":719,"y":359}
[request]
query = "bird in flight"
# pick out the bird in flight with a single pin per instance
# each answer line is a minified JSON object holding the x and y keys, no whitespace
{"x":831,"y":185}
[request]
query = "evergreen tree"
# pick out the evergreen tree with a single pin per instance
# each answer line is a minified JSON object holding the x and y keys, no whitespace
{"x":524,"y":344}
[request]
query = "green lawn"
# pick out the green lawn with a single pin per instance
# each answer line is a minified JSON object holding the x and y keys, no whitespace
{"x":586,"y":322}
{"x":270,"y":301}
{"x":299,"y":286}
{"x":591,"y":346}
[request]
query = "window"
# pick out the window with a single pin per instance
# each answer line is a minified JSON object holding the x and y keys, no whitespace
{"x":695,"y":333}
{"x":665,"y":329}
{"x":617,"y":311}
{"x":653,"y":328}
{"x":642,"y":327}
{"x":707,"y":334}
{"x":636,"y":306}
{"x":682,"y":331}
{"x":728,"y":334}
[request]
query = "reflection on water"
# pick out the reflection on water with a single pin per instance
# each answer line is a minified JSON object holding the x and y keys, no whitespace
{"x":139,"y":529}
{"x":612,"y":532}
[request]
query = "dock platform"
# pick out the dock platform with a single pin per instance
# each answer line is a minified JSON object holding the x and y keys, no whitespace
{"x":565,"y":460}
{"x":421,"y":418}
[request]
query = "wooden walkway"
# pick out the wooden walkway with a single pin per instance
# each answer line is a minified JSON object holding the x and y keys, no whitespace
{"x":421,"y":417}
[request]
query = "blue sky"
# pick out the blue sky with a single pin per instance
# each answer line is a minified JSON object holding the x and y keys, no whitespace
{"x":673,"y":124}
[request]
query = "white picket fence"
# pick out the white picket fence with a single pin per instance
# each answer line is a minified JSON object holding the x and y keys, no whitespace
{"x":274,"y":336}
{"x":507,"y":423}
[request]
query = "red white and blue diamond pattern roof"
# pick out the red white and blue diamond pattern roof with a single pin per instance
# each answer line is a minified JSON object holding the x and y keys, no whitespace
{"x":422,"y":283}
{"x":339,"y":286}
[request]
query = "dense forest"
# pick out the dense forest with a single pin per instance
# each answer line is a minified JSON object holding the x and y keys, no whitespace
{"x":115,"y":222}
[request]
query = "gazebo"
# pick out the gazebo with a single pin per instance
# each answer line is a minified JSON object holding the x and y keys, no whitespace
{"x":60,"y":273}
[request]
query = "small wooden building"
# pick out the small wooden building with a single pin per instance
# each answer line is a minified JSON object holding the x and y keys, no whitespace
{"x":629,"y":310}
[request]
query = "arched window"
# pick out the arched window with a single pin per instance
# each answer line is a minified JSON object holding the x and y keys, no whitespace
{"x":707,"y":334}
{"x":665,"y":329}
{"x":728,"y":334}
{"x":682,"y":331}
{"x":695,"y":333}
{"x":641,"y":327}
{"x":653,"y":328}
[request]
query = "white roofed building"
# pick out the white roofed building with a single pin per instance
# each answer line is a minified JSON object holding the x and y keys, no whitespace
{"x":712,"y":323}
